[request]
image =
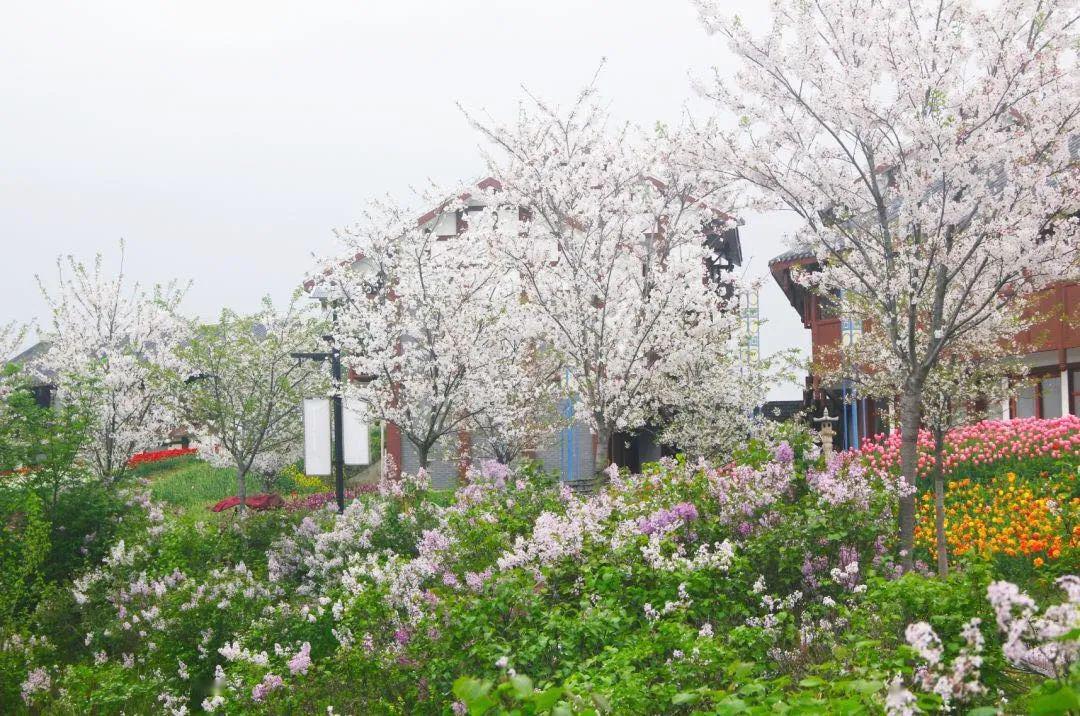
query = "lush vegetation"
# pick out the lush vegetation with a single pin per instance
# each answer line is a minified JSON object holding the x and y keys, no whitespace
{"x":766,"y":585}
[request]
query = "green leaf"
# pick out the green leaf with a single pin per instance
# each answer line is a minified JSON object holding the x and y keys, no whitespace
{"x":547,"y":698}
{"x":685,"y":697}
{"x":474,"y":694}
{"x":811,"y":682}
{"x":864,"y":686}
{"x":1061,"y":701}
{"x":523,"y":685}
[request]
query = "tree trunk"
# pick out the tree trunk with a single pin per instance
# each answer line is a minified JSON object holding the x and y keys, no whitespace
{"x":910,"y":419}
{"x":504,"y":454}
{"x":602,"y":451}
{"x":423,"y":456}
{"x":241,"y":488}
{"x":939,"y":504}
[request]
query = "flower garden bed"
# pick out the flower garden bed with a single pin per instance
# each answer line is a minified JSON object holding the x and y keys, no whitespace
{"x":147,"y":458}
{"x":980,"y":451}
{"x":767,"y":585}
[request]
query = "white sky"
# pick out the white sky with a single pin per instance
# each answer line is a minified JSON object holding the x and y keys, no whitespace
{"x":223,"y":141}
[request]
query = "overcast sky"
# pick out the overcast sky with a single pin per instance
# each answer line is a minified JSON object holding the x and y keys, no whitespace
{"x":224,"y":141}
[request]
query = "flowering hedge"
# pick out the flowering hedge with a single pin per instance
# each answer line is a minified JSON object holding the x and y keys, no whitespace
{"x":768,"y":584}
{"x":315,"y":500}
{"x":986,"y":444}
{"x":144,"y":458}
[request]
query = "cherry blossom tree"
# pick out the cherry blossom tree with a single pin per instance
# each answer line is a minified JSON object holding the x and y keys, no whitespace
{"x":520,"y":393}
{"x":112,"y":345}
{"x":244,"y":390}
{"x":710,"y":400}
{"x":416,"y":316}
{"x":963,"y":378}
{"x":11,"y":338}
{"x":606,"y":234}
{"x":930,"y":149}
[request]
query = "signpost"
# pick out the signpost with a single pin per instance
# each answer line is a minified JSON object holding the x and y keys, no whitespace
{"x":316,"y":428}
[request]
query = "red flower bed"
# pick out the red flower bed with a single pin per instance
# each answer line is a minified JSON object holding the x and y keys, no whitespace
{"x":262,"y":501}
{"x":157,"y":455}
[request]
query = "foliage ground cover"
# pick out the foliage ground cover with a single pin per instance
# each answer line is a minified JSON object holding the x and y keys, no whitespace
{"x":764,"y":585}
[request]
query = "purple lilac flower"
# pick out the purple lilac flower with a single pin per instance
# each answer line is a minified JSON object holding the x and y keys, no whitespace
{"x":662,"y":518}
{"x":784,"y":452}
{"x":268,"y":684}
{"x":300,"y":663}
{"x":811,"y":566}
{"x":495,"y":471}
{"x":685,"y":511}
{"x":475,"y":580}
{"x":848,"y":572}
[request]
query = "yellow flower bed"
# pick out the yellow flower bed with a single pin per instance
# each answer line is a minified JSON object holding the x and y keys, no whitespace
{"x":1039,"y":520}
{"x":309,"y":483}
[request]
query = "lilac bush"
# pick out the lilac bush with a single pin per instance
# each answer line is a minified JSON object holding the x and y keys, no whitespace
{"x":681,"y":571}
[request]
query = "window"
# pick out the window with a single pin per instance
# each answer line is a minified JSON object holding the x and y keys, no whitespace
{"x":1042,"y":398}
{"x":1025,"y":402}
{"x":1050,"y":396}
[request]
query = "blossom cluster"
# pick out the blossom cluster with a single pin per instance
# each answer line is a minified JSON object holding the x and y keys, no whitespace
{"x":1043,"y":644}
{"x":984,"y":443}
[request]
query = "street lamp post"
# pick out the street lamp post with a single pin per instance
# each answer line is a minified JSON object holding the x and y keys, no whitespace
{"x":334,"y":356}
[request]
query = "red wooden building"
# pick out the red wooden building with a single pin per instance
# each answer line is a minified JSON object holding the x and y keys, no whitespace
{"x":1051,"y":349}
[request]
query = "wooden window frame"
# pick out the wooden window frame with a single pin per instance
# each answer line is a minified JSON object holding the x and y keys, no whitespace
{"x":1051,"y":372}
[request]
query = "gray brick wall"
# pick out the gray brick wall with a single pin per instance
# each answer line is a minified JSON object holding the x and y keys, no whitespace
{"x":442,"y":469}
{"x":552,"y":454}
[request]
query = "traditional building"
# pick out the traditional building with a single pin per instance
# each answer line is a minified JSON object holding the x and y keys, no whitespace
{"x":1051,"y":350}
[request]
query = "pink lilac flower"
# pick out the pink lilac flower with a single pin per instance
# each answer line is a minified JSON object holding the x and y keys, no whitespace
{"x":899,"y":701}
{"x":495,"y":471}
{"x":922,"y":638}
{"x":36,"y":681}
{"x":1033,"y":641}
{"x":955,"y":683}
{"x":475,"y":580}
{"x":742,"y":490}
{"x":268,"y":684}
{"x":843,"y":481}
{"x":301,"y":662}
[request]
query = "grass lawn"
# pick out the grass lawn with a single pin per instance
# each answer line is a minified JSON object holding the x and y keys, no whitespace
{"x":188,"y":482}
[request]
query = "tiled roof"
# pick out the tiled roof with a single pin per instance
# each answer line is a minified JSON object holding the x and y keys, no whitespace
{"x":799,"y":252}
